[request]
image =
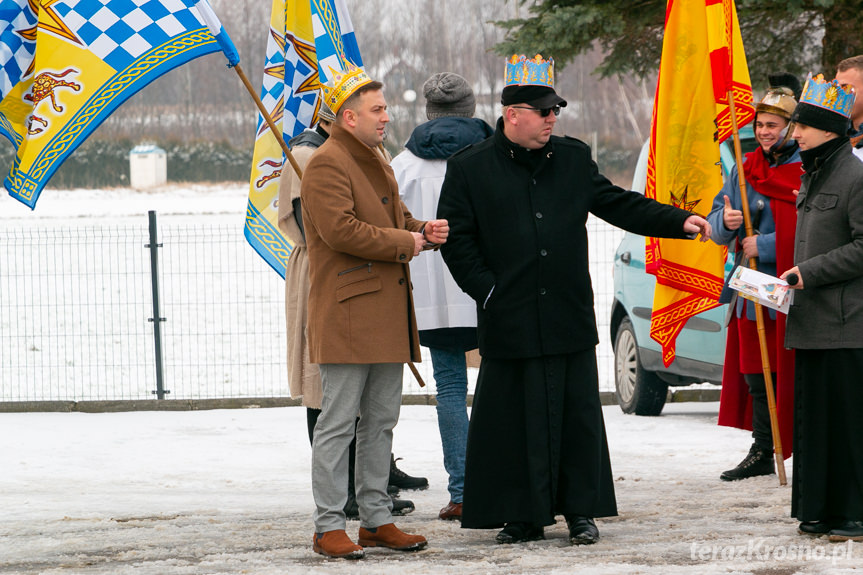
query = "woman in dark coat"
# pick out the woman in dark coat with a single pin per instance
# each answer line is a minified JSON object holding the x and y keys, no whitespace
{"x":825,"y":322}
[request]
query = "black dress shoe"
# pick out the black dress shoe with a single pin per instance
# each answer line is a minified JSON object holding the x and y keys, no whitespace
{"x":814,"y":527}
{"x":519,"y":532}
{"x":847,"y":531}
{"x":582,"y":530}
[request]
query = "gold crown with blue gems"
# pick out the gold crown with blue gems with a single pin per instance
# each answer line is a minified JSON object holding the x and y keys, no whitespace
{"x":342,"y":84}
{"x":521,"y":71}
{"x":832,"y":95}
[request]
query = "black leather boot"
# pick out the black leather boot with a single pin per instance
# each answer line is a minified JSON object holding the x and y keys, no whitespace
{"x":758,"y":462}
{"x":400,"y":506}
{"x":402,"y":480}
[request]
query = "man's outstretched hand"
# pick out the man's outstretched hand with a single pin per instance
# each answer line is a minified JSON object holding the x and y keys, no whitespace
{"x":697,"y":225}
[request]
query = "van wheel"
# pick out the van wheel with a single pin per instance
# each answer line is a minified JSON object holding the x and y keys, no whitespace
{"x":639,"y":391}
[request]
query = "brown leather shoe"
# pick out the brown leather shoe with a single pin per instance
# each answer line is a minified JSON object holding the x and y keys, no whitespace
{"x":451,"y":512}
{"x":336,"y":544}
{"x":392,"y":537}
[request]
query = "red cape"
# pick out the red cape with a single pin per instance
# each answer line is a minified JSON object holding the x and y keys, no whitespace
{"x":735,"y":405}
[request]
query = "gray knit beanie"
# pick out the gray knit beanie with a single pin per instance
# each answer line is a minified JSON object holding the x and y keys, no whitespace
{"x":448,"y":94}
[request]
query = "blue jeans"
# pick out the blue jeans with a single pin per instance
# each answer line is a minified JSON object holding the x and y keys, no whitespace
{"x":450,"y":375}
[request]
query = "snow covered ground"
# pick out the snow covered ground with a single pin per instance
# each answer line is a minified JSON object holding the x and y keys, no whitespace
{"x":212,"y":492}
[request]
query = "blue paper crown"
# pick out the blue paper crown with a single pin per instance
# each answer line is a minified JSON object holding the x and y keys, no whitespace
{"x":832,"y":95}
{"x":534,"y":72}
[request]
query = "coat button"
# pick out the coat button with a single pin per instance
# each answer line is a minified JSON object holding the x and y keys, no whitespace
{"x":401,"y":281}
{"x":807,"y":209}
{"x":539,"y":215}
{"x":543,"y":252}
{"x":385,"y":200}
{"x":402,"y":256}
{"x":541,"y":291}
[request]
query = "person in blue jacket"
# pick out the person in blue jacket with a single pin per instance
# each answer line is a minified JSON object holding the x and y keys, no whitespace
{"x":772,"y":173}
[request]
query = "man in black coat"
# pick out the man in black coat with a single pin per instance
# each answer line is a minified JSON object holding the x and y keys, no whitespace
{"x":517,"y":204}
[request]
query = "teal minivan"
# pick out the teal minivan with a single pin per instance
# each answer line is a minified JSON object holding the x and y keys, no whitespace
{"x":640,"y":378}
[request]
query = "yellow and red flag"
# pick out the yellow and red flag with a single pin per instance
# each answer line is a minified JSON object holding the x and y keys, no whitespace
{"x":702,"y":63}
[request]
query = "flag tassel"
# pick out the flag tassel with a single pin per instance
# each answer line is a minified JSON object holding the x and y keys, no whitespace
{"x":759,"y":311}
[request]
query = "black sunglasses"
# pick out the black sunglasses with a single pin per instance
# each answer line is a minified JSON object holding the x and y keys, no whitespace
{"x":544,"y":112}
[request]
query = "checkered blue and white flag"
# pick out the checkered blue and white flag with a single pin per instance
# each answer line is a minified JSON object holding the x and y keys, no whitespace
{"x":307,"y":38}
{"x":17,"y":45}
{"x":90,"y":56}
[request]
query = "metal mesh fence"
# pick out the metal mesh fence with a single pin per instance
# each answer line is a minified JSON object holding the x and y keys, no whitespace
{"x":71,"y":311}
{"x":76,"y":314}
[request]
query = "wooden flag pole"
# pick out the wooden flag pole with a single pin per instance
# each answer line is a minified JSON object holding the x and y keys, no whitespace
{"x":759,"y":312}
{"x":278,"y":134}
{"x":416,"y":374}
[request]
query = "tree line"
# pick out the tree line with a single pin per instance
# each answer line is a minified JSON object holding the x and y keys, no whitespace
{"x":202,"y":111}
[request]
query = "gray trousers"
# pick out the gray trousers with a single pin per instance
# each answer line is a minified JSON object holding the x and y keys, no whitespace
{"x":374,"y":392}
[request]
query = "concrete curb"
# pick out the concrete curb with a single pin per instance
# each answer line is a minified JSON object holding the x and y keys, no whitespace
{"x":606,"y":397}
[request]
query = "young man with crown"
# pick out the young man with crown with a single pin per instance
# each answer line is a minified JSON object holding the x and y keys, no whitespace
{"x":361,"y":326}
{"x":517,"y":204}
{"x":772,"y":174}
{"x":825,"y":321}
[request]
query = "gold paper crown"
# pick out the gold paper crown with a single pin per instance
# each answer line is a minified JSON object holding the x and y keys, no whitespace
{"x":342,"y":84}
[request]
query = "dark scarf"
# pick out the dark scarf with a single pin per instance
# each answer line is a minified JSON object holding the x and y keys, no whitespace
{"x":815,"y":157}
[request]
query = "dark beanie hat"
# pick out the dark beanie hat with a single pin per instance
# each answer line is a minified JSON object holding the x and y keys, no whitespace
{"x":448,"y":94}
{"x":821,"y":118}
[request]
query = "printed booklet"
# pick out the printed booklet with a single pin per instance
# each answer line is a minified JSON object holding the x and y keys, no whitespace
{"x":762,"y":288}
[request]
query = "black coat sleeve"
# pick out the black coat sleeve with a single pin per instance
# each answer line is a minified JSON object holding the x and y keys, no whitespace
{"x":633,"y":212}
{"x":462,"y":251}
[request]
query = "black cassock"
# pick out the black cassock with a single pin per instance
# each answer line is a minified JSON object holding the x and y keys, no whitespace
{"x":537,"y":446}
